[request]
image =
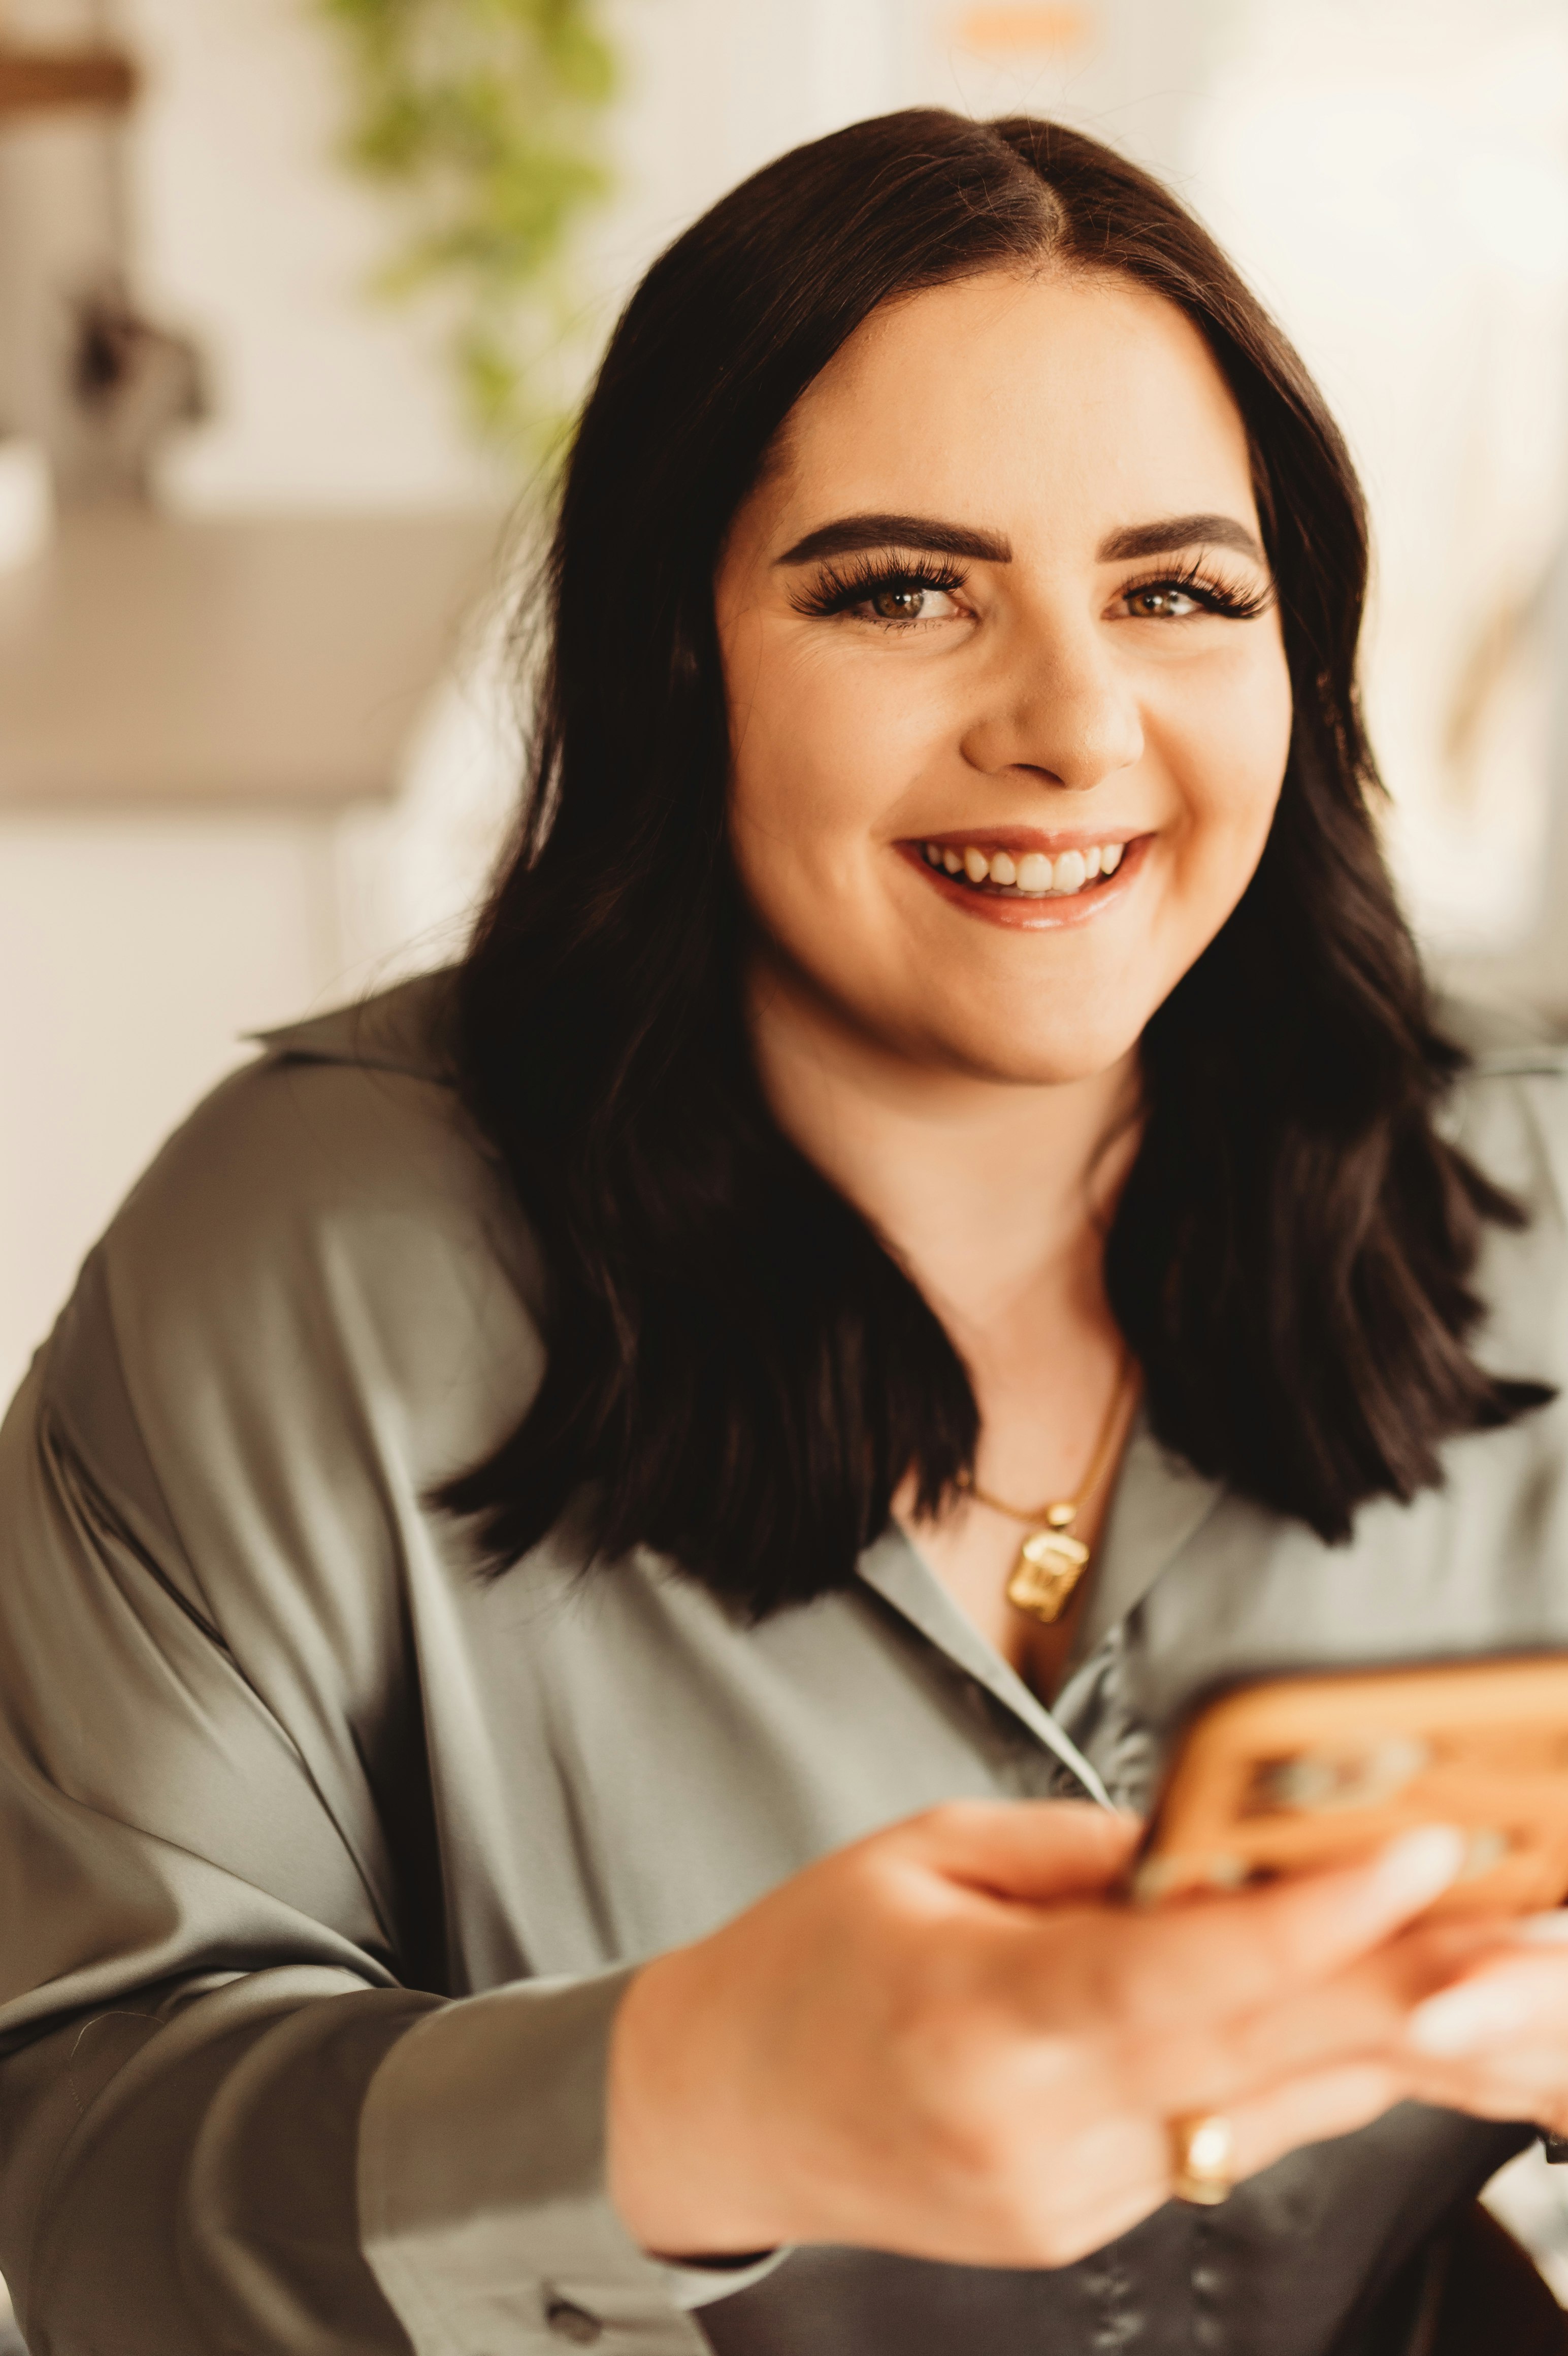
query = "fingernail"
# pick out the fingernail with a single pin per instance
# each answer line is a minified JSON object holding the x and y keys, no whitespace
{"x":1543,"y":1930}
{"x":1461,"y":2019}
{"x":1420,"y":1866}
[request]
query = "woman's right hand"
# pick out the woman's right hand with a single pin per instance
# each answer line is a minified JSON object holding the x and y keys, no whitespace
{"x":952,"y":2038}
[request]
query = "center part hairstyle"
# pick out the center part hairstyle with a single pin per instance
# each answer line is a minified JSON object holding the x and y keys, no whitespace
{"x":740,"y":1370}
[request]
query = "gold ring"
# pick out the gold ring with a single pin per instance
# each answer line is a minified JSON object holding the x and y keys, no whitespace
{"x":1202,"y":2158}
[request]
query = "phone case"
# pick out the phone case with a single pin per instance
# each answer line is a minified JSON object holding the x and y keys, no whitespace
{"x":1311,"y":1770}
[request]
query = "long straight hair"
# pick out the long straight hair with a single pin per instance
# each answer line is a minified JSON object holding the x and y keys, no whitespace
{"x":739,"y":1372}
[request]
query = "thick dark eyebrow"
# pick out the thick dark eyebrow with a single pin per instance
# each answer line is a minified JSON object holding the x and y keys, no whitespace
{"x":850,"y":534}
{"x":1180,"y":532}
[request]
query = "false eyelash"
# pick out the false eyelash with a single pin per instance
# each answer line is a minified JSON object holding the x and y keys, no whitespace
{"x":1219,"y":596}
{"x":835,"y":590}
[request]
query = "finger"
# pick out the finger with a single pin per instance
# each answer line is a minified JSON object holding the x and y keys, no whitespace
{"x":1129,"y":2160}
{"x":1525,"y":2084}
{"x":1310,"y":2109}
{"x":1504,"y":2086}
{"x":1543,"y":1930}
{"x":1445,"y":1949}
{"x":1218,"y":1958}
{"x":1363,"y":2008}
{"x":1027,"y":1850}
{"x":1358,"y":2015}
{"x":1501,"y":2005}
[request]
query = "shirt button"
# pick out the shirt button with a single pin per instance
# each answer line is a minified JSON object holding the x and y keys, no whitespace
{"x":573,"y":2324}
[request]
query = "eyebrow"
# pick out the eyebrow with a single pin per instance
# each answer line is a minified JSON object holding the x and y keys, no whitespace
{"x":849,"y":535}
{"x":1171,"y":532}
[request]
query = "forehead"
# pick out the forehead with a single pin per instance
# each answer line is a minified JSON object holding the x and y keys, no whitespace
{"x":1077,"y":397}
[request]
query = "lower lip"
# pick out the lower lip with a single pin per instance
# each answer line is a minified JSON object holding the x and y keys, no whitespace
{"x":1051,"y":912}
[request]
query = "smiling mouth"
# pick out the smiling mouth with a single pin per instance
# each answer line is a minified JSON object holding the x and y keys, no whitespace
{"x":1026,"y":875}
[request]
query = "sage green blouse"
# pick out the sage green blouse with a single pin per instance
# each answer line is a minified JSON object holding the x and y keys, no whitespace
{"x":322,"y":1861}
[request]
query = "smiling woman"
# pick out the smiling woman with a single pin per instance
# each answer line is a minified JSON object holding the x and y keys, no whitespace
{"x":1057,"y":705}
{"x":945,"y":490}
{"x":937,"y":1219}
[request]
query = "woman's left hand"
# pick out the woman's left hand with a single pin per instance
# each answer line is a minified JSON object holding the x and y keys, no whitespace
{"x":1495,"y":2040}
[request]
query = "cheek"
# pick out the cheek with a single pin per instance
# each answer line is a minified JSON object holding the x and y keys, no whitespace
{"x":1227,"y":744}
{"x":818,"y":753}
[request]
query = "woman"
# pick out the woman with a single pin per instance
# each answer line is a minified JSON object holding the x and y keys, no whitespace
{"x":530,"y":1606}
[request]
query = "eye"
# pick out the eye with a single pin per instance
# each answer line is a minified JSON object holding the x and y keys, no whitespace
{"x":1192,"y":590}
{"x":1162,"y":601}
{"x":907,"y":600}
{"x":895,"y":596}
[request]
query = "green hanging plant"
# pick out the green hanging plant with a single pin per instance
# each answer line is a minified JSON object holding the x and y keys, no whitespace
{"x":483,"y":114}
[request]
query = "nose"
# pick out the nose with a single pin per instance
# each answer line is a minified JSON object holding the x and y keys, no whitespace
{"x":1059,"y":706}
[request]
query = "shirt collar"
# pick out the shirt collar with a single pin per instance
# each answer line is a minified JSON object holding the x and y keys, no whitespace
{"x":897,"y":1572}
{"x":1158,"y":1504}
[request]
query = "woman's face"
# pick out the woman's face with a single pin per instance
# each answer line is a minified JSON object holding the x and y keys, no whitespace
{"x":1007,"y":697}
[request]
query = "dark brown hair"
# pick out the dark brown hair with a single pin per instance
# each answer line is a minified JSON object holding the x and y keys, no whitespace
{"x":739,"y":1372}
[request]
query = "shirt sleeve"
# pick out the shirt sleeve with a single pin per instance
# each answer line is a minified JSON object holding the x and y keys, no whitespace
{"x":230,"y":2115}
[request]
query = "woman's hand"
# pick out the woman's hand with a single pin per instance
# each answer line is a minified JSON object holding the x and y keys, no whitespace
{"x":1495,"y":2042}
{"x":951,"y":2040}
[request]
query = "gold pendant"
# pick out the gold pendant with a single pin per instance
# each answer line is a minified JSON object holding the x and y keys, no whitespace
{"x":1050,"y":1564}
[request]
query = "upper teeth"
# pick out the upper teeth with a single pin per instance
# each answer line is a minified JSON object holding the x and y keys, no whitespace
{"x":1031,"y":872}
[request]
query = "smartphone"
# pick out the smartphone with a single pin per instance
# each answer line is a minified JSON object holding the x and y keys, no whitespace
{"x":1286,"y":1774}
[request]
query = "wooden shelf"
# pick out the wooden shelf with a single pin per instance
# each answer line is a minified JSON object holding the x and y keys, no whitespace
{"x":50,"y":82}
{"x":246,"y":662}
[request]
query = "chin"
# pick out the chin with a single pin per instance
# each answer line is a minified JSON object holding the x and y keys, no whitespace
{"x":1052,"y":1060}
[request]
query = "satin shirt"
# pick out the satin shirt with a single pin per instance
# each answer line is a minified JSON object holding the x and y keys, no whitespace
{"x":323,"y":1861}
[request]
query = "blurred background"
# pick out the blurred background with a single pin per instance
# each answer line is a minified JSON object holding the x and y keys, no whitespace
{"x":294,"y":295}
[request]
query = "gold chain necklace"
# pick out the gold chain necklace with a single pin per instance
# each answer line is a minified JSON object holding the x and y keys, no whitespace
{"x":1051,"y":1561}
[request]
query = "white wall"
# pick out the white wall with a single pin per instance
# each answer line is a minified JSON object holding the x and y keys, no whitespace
{"x":249,"y":233}
{"x":133,"y":954}
{"x":1395,"y":180}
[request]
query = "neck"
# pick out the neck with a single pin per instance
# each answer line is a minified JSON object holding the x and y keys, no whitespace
{"x":987,"y":1188}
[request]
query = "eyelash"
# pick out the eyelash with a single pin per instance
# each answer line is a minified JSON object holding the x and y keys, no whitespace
{"x":835,"y":590}
{"x":1208,"y":589}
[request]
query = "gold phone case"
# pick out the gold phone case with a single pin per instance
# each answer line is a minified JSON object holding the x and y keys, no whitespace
{"x":1305,"y":1770}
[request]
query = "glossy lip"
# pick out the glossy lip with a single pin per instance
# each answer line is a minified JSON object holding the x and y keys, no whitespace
{"x":1047,"y":914}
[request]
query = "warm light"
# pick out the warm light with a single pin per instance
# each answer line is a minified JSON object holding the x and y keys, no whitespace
{"x":1006,"y":31}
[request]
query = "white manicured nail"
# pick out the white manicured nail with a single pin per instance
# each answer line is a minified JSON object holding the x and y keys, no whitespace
{"x":1463,"y":2018}
{"x":1543,"y":1930}
{"x":1421,"y":1866}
